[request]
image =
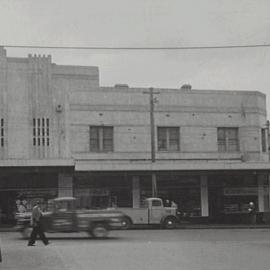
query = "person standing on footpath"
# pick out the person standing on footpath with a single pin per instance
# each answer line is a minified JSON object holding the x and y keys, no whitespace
{"x":252,"y":213}
{"x":37,"y":226}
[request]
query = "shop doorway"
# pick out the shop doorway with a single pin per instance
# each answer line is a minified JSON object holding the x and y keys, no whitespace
{"x":215,"y":202}
{"x":7,"y":207}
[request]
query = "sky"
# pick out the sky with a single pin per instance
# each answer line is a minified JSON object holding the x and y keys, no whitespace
{"x":149,"y":23}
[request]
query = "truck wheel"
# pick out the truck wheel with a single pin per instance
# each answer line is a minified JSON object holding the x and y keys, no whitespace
{"x":26,"y":232}
{"x":169,"y":223}
{"x":99,"y":231}
{"x":126,"y":222}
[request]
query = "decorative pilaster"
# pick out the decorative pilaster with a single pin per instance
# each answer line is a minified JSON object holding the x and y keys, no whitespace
{"x":204,"y":196}
{"x":136,"y":191}
{"x":65,"y":185}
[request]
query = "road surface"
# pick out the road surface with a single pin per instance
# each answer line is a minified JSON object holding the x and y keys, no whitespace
{"x":207,"y":249}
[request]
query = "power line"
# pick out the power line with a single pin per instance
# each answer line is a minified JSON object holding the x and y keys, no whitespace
{"x":137,"y":48}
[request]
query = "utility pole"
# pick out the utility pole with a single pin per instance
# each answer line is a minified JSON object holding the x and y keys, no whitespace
{"x":152,"y":102}
{"x":152,"y":124}
{"x":267,"y":138}
{"x":268,"y":150}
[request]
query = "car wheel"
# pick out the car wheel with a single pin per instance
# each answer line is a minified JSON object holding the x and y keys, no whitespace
{"x":99,"y":231}
{"x":26,"y":232}
{"x":169,"y":223}
{"x":126,"y":223}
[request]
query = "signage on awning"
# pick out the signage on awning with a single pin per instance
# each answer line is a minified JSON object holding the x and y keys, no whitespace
{"x":243,"y":191}
{"x":84,"y":192}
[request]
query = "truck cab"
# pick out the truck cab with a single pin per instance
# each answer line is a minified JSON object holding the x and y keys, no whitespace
{"x":62,"y":215}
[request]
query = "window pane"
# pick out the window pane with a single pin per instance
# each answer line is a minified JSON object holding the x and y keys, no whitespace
{"x":107,"y":139}
{"x":173,"y":139}
{"x":228,"y":140}
{"x":107,"y":132}
{"x":221,"y":134}
{"x":108,"y":145}
{"x":94,"y":139}
{"x":173,"y":133}
{"x":232,"y":133}
{"x":233,"y":146}
{"x":263,"y":138}
{"x":174,"y":145}
{"x":232,"y":139}
{"x":221,"y":146}
{"x":162,"y":138}
{"x":93,"y":132}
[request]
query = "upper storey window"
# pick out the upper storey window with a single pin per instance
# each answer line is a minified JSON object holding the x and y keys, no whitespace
{"x":41,"y":131}
{"x":168,"y":139}
{"x":263,"y":139}
{"x":228,"y":140}
{"x":101,"y":138}
{"x":2,"y":132}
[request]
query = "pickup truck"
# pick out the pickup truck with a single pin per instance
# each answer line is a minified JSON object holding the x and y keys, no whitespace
{"x":152,"y":212}
{"x":62,"y":216}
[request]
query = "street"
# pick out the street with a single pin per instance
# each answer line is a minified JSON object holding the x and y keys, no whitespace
{"x":142,"y":249}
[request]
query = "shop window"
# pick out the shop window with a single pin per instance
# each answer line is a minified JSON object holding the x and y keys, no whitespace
{"x":231,"y":194}
{"x":101,"y":139}
{"x":168,"y":139}
{"x":41,"y":132}
{"x":182,"y":190}
{"x":2,"y":132}
{"x":102,"y":191}
{"x":228,"y":140}
{"x":263,"y":139}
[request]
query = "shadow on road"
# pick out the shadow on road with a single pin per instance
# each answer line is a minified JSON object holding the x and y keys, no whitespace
{"x":78,"y":238}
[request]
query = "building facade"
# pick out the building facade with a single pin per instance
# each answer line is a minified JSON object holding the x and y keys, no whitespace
{"x":62,"y":134}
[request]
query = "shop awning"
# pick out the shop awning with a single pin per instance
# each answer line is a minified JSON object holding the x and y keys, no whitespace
{"x":36,"y":163}
{"x":87,"y":165}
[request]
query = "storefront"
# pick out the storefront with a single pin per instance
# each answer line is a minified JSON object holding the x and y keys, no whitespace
{"x":220,"y":197}
{"x":19,"y":191}
{"x":230,"y":194}
{"x":184,"y":190}
{"x":101,"y":190}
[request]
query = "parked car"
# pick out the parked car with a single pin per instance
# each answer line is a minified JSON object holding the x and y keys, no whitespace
{"x":64,"y":217}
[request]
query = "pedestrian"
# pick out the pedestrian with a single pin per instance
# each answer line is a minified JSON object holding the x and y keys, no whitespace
{"x":36,"y":222}
{"x":167,"y":203}
{"x":252,"y":213}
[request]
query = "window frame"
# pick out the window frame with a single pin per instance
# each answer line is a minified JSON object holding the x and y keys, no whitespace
{"x":168,"y":139}
{"x":227,"y":141}
{"x":264,"y":140}
{"x":41,"y":132}
{"x":100,"y":139}
{"x":2,"y":133}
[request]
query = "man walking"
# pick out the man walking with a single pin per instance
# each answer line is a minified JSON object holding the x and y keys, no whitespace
{"x":37,"y":226}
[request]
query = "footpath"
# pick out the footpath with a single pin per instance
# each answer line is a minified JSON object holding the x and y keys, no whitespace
{"x":223,"y":226}
{"x":183,"y":226}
